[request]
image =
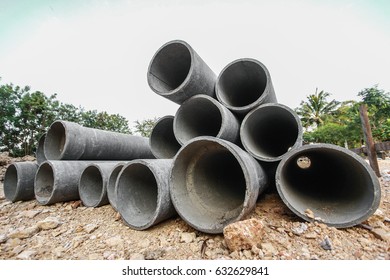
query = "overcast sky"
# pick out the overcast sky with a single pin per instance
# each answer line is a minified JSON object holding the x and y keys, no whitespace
{"x":96,"y":53}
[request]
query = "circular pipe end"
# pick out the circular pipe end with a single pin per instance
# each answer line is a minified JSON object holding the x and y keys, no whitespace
{"x":11,"y":183}
{"x":91,"y":186}
{"x":44,"y":183}
{"x":111,"y":185}
{"x":162,"y":139}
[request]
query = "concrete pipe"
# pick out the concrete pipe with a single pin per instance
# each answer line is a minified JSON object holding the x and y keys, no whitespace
{"x":269,"y":131}
{"x":93,"y":183}
{"x":142,"y":191}
{"x":214,"y":183}
{"x":162,"y":139}
{"x":329,"y":184}
{"x":19,"y":181}
{"x":40,"y":153}
{"x":111,"y":185}
{"x":202,"y":115}
{"x":71,"y":141}
{"x":177,"y":72}
{"x":243,"y":85}
{"x":57,"y":181}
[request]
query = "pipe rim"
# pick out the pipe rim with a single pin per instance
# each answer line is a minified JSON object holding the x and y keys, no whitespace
{"x":162,"y":127}
{"x":45,"y":194}
{"x":186,"y":81}
{"x":111,"y":185}
{"x":55,"y":150}
{"x":375,"y":183}
{"x":85,"y":189}
{"x":11,"y":184}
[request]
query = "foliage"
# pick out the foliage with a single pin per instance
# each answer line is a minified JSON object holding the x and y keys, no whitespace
{"x":145,"y":127}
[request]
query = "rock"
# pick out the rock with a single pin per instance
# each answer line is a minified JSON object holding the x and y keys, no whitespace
{"x":94,"y":256}
{"x":137,"y":256}
{"x":309,"y":213}
{"x":24,"y":232}
{"x":49,"y":223}
{"x":300,"y":229}
{"x":144,"y":243}
{"x":326,"y":244}
{"x":381,"y":234}
{"x":243,"y":235}
{"x":268,"y":249}
{"x":90,"y":228}
{"x":30,"y":213}
{"x":76,"y":204}
{"x":3,"y":238}
{"x":114,"y":241}
{"x":155,"y":254}
{"x":187,"y":237}
{"x":26,"y":255}
{"x":311,"y":235}
{"x":247,"y":254}
{"x":17,"y":249}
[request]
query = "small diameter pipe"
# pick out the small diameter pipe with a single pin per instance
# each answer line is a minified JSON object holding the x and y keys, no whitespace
{"x":269,"y":131}
{"x":111,"y":186}
{"x":57,"y":181}
{"x":243,"y":85}
{"x":40,"y":153}
{"x":93,"y":183}
{"x":162,"y":139}
{"x":329,"y":184}
{"x":71,"y":141}
{"x":19,"y":181}
{"x":202,"y":115}
{"x":142,"y":191}
{"x":177,"y":72}
{"x":214,"y":183}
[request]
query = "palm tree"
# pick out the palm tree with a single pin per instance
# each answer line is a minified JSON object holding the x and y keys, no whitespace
{"x":316,"y":109}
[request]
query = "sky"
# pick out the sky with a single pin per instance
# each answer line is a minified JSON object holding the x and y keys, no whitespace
{"x":95,"y":54}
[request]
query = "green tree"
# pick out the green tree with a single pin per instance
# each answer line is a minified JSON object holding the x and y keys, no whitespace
{"x":145,"y":127}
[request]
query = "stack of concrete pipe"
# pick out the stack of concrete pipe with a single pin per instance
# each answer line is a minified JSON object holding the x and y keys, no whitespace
{"x":227,"y":143}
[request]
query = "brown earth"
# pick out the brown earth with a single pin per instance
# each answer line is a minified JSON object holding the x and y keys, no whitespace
{"x":72,"y":231}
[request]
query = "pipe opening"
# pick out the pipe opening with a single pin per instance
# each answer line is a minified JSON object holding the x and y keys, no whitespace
{"x":11,"y":182}
{"x":170,"y":67}
{"x":162,"y":140}
{"x":111,"y":185}
{"x":241,"y":83}
{"x":336,"y":187}
{"x":303,"y":162}
{"x":44,"y":182}
{"x":269,"y":132}
{"x":208,"y":184}
{"x":137,"y":193}
{"x":91,"y":186}
{"x":55,"y":141}
{"x":197,"y":117}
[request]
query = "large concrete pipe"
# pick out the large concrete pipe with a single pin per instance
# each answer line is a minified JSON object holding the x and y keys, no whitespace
{"x":202,"y":115}
{"x":112,"y":178}
{"x":93,"y":183}
{"x":57,"y":181}
{"x":329,"y":184}
{"x":71,"y":141}
{"x":40,"y":153}
{"x":142,"y":191}
{"x":162,"y":139}
{"x":243,"y":85}
{"x":214,"y":183}
{"x":177,"y":72}
{"x":19,"y":181}
{"x":269,"y":131}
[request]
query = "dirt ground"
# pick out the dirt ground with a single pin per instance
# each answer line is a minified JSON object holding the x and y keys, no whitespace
{"x":71,"y":231}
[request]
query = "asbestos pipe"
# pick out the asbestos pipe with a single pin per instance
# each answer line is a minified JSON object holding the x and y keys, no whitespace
{"x":177,"y":72}
{"x":40,"y":153}
{"x":71,"y":141}
{"x":214,"y":183}
{"x":269,"y":131}
{"x":19,"y":181}
{"x":202,"y":115}
{"x":111,"y":185}
{"x":329,"y":184}
{"x":162,"y":139}
{"x":142,"y":191}
{"x":57,"y":181}
{"x":93,"y":183}
{"x":243,"y":85}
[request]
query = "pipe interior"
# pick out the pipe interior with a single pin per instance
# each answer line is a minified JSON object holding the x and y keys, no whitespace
{"x":40,"y":154}
{"x":197,"y":117}
{"x":11,"y":182}
{"x":55,"y":141}
{"x":44,"y":181}
{"x":91,"y":186}
{"x":242,"y":83}
{"x":208,"y":184}
{"x":111,"y":185}
{"x":162,"y":140}
{"x":170,"y":67}
{"x":335,"y":186}
{"x":270,"y":131}
{"x":137,"y":195}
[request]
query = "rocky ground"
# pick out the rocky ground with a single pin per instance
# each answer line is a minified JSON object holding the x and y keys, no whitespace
{"x":71,"y":231}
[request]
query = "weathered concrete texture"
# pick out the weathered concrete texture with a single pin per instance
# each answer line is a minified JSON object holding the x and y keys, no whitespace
{"x":202,"y":115}
{"x":162,"y":140}
{"x":214,"y":183}
{"x":329,"y":184}
{"x":269,"y":131}
{"x":71,"y":141}
{"x":111,"y":185}
{"x":93,"y":183}
{"x":40,"y":153}
{"x":142,"y":191}
{"x":177,"y":72}
{"x":19,"y":181}
{"x":243,"y":85}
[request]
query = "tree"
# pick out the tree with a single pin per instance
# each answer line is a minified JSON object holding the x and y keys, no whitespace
{"x":145,"y":127}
